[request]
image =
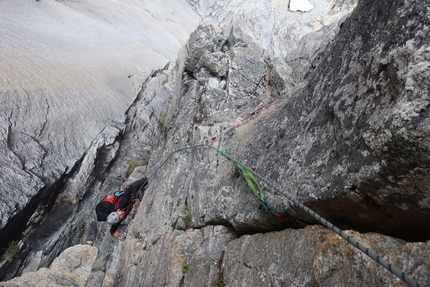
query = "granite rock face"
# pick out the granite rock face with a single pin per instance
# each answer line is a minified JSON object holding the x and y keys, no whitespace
{"x":272,"y":24}
{"x":72,"y":220}
{"x":315,"y":256}
{"x":197,"y":189}
{"x":354,"y":145}
{"x":69,"y":70}
{"x":196,"y":181}
{"x":324,"y":141}
{"x":191,"y":258}
{"x":71,"y":268}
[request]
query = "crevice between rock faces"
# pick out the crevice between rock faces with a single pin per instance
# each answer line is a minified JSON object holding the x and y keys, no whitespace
{"x":367,"y":216}
{"x":21,"y":224}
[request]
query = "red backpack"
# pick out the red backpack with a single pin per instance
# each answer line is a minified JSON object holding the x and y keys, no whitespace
{"x":110,"y":198}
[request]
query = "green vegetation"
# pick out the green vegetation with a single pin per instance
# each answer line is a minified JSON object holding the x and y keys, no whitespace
{"x":159,"y":72}
{"x":162,"y":122}
{"x":71,"y":201}
{"x":187,"y":219}
{"x":65,"y":198}
{"x":221,"y":281}
{"x":139,"y":95}
{"x":133,"y":163}
{"x":11,"y":251}
{"x":269,"y":64}
{"x":184,"y":269}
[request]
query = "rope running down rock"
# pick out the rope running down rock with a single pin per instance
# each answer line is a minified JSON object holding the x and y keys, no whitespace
{"x":225,"y":153}
{"x":399,"y":273}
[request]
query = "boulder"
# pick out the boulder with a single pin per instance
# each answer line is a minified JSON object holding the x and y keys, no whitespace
{"x":71,"y":268}
{"x":315,"y":256}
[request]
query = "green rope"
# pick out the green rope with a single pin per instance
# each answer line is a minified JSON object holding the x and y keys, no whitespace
{"x":255,"y":187}
{"x":397,"y":272}
{"x":253,"y":183}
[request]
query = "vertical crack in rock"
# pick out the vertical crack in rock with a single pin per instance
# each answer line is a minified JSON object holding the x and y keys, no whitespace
{"x":11,"y":144}
{"x":42,"y":128}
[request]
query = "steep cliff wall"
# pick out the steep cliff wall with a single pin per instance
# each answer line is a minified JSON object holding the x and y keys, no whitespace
{"x":69,"y":69}
{"x":272,"y":24}
{"x":325,"y":143}
{"x":357,"y":135}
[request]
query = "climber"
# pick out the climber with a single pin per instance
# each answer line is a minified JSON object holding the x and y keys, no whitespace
{"x":114,"y":209}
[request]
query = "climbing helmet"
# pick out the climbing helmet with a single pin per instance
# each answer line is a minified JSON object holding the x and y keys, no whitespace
{"x":113,"y":218}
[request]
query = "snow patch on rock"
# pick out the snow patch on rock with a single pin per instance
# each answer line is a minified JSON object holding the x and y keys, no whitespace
{"x":300,"y":5}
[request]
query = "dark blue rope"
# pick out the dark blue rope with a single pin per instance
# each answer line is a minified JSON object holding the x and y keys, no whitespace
{"x":400,"y":274}
{"x":170,"y":155}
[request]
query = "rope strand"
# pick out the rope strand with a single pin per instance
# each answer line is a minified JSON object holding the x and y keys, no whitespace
{"x":400,"y":274}
{"x":156,"y":170}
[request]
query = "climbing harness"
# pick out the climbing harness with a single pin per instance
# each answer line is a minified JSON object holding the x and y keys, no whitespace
{"x":400,"y":274}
